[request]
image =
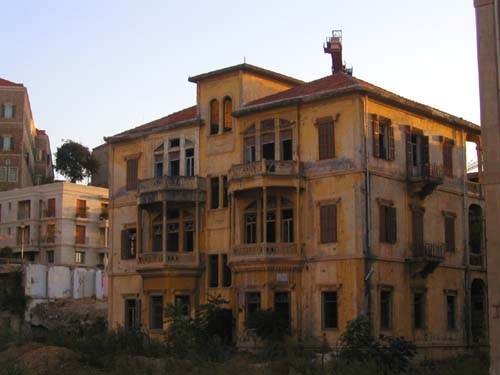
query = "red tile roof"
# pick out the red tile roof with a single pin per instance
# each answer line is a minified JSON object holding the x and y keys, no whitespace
{"x":4,"y":82}
{"x":180,"y":116}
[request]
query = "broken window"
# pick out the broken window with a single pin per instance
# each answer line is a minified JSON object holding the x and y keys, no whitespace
{"x":287,"y":225}
{"x":132,"y":314}
{"x":252,"y":303}
{"x":226,"y":272}
{"x":214,"y":192}
{"x":418,"y":310}
{"x":128,"y":243}
{"x":388,"y":223}
{"x":228,"y":119}
{"x":385,"y":309}
{"x":328,"y":223}
{"x":451,"y":308}
{"x":326,"y":138}
{"x":329,"y":304}
{"x":156,"y":312}
{"x":214,"y":116}
{"x":213,"y":271}
{"x":282,"y":307}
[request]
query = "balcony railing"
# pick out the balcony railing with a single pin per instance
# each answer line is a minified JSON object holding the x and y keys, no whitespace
{"x":476,"y":259}
{"x":266,"y":250}
{"x":173,"y":258}
{"x":475,"y":189}
{"x":272,"y":167}
{"x":429,"y":251}
{"x":427,"y":171}
{"x":172,"y":183}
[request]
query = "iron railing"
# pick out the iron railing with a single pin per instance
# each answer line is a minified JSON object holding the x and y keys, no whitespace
{"x":172,"y":183}
{"x":427,"y":250}
{"x":266,"y":250}
{"x":273,"y":167}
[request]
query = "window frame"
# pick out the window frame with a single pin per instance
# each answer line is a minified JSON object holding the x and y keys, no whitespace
{"x":153,"y":314}
{"x":389,"y":320}
{"x":79,"y":257}
{"x":328,"y":234}
{"x":324,"y":326}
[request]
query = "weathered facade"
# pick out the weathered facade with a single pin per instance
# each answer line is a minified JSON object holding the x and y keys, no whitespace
{"x":488,"y":39}
{"x":25,"y":156}
{"x":321,"y":200}
{"x":56,"y":224}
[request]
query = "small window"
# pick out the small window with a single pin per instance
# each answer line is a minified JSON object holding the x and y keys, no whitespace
{"x":128,"y":243}
{"x":132,"y":314}
{"x":214,"y":192}
{"x":213,"y":273}
{"x":156,"y":312}
{"x":183,"y":304}
{"x":330,"y":315}
{"x":388,"y":224}
{"x":81,"y":208}
{"x":225,"y":196}
{"x":80,"y":235}
{"x":79,"y":257}
{"x":287,"y":222}
{"x":328,"y":221}
{"x":385,"y":309}
{"x":252,"y":303}
{"x":214,"y":116}
{"x":418,"y":310}
{"x":326,"y":138}
{"x":451,"y":311}
{"x":175,"y":142}
{"x":228,"y":119}
{"x":50,"y":256}
{"x":190,"y":162}
{"x":12,"y":177}
{"x":173,"y":237}
{"x":132,"y":174}
{"x":226,"y":272}
{"x":449,"y":233}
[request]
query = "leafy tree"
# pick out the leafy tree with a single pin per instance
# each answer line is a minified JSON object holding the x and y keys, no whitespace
{"x":75,"y":161}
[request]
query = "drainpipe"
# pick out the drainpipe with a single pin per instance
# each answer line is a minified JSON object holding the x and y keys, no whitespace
{"x":367,"y":252}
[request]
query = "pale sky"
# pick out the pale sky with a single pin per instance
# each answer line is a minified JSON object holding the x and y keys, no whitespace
{"x":95,"y":68}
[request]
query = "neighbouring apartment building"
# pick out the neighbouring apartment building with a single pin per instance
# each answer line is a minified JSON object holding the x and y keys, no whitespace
{"x":321,"y":200}
{"x":57,"y":224}
{"x":488,"y":42}
{"x":25,"y":156}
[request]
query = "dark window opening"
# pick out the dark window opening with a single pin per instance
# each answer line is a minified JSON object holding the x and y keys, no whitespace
{"x":213,"y":274}
{"x":190,"y":162}
{"x":226,"y":272}
{"x":132,"y":314}
{"x":287,"y":223}
{"x":451,"y":311}
{"x":330,"y":309}
{"x":156,"y":312}
{"x":214,"y":192}
{"x":268,"y":151}
{"x":418,"y":310}
{"x":173,"y":237}
{"x":388,"y":224}
{"x":183,"y":305}
{"x":252,"y":303}
{"x":282,"y":307}
{"x":132,"y":171}
{"x":225,"y":197}
{"x":286,"y":150}
{"x":158,"y":165}
{"x":449,"y":233}
{"x":175,"y":142}
{"x":271,"y":226}
{"x":385,"y":309}
{"x":174,"y":164}
{"x":188,"y":236}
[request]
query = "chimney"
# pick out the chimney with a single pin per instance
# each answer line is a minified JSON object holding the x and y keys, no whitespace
{"x":333,"y":46}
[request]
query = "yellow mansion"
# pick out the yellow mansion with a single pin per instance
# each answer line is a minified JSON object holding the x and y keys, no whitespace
{"x":322,"y":200}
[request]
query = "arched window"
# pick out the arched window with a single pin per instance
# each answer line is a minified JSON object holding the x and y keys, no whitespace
{"x":228,"y":119}
{"x":214,"y":116}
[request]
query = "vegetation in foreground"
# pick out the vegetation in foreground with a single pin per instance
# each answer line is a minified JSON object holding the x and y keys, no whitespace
{"x":197,"y":346}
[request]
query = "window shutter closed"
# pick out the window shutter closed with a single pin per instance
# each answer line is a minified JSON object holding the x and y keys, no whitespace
{"x":409,"y":153}
{"x":425,"y":156}
{"x":132,"y":166}
{"x":391,"y":155}
{"x":448,"y":158}
{"x":376,"y":137}
{"x":328,"y":219}
{"x":392,"y":225}
{"x":418,"y":232}
{"x":326,"y":140}
{"x":383,"y":229}
{"x":125,"y":244}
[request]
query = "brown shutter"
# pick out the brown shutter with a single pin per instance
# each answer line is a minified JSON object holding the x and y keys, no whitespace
{"x":249,"y":141}
{"x":324,"y":223}
{"x":391,"y":155}
{"x":328,"y":219}
{"x":376,"y":137}
{"x":326,"y":140}
{"x":132,"y":166}
{"x":382,"y":228}
{"x":409,"y":153}
{"x":137,"y":322}
{"x":333,"y":225}
{"x":267,"y":138}
{"x":322,"y":141}
{"x":449,"y":228}
{"x":174,"y":155}
{"x":418,"y":232}
{"x":285,"y":135}
{"x":448,"y":158}
{"x":393,"y":228}
{"x":425,"y":156}
{"x":125,"y":248}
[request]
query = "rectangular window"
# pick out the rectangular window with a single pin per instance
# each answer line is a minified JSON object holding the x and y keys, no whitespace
{"x":81,"y":208}
{"x":286,"y":145}
{"x":132,"y":314}
{"x":271,"y":226}
{"x":385,"y":309}
{"x":23,"y":210}
{"x":330,"y":315}
{"x":225,"y":197}
{"x":388,"y":224}
{"x":173,"y":237}
{"x":23,"y":235}
{"x":183,"y":304}
{"x":449,"y":233}
{"x":418,"y":310}
{"x":268,"y":146}
{"x":249,"y":149}
{"x":51,"y":233}
{"x":79,"y":257}
{"x":448,"y":157}
{"x":80,"y":234}
{"x":328,"y":222}
{"x":132,"y":173}
{"x":214,"y":192}
{"x":158,"y":165}
{"x":383,"y":139}
{"x":8,"y":110}
{"x":251,"y":228}
{"x":190,"y":162}
{"x":252,"y":303}
{"x":326,"y":138}
{"x":213,"y":272}
{"x":188,"y":236}
{"x":287,"y":222}
{"x":156,"y":312}
{"x":418,"y":232}
{"x":174,"y":142}
{"x":451,"y":311}
{"x":51,"y":207}
{"x":174,"y":163}
{"x":282,"y":306}
{"x":3,"y":174}
{"x":50,"y":256}
{"x":226,"y":272}
{"x":7,"y":143}
{"x":128,"y":243}
{"x":157,"y":237}
{"x":12,"y":177}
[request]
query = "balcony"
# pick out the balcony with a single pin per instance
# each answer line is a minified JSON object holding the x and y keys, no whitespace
{"x":474,"y":189}
{"x":154,"y":260}
{"x":426,"y":257}
{"x":278,"y":173}
{"x":265,"y":252}
{"x":425,"y":178}
{"x":172,"y":188}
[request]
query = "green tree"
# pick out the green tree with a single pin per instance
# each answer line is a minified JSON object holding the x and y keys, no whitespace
{"x":75,"y":161}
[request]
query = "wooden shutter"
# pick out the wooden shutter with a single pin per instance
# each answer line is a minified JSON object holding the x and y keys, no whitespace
{"x":449,"y":233}
{"x":393,"y":228}
{"x":328,"y":223}
{"x":125,"y":244}
{"x":418,"y":232}
{"x":52,"y":207}
{"x":132,"y":166}
{"x":376,"y":137}
{"x":391,"y":150}
{"x":425,"y":156}
{"x":383,"y":223}
{"x":448,"y":158}
{"x":409,"y":153}
{"x":326,"y":139}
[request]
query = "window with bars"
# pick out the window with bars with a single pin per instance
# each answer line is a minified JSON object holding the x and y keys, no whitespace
{"x":132,"y":174}
{"x":326,"y":138}
{"x":328,"y":223}
{"x":388,"y":223}
{"x":329,"y":309}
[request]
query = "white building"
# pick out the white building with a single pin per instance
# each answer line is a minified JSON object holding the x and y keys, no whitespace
{"x":59,"y":223}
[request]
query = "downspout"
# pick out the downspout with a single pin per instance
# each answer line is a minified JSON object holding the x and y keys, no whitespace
{"x":367,"y":251}
{"x":468,"y":334}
